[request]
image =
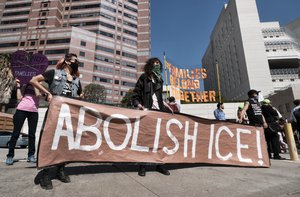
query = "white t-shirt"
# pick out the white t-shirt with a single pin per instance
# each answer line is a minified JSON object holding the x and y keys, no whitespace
{"x":155,"y":104}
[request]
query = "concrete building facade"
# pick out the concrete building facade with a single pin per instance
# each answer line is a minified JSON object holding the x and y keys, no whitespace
{"x":283,"y":52}
{"x":110,"y":37}
{"x":250,"y":54}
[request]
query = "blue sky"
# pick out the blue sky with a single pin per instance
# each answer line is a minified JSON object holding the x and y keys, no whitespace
{"x":182,"y":28}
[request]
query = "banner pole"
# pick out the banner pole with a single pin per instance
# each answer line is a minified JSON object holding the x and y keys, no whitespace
{"x":218,"y":79}
{"x":166,"y":77}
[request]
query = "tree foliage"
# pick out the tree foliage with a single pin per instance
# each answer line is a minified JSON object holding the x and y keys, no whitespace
{"x":95,"y":93}
{"x":127,"y":99}
{"x":7,"y":81}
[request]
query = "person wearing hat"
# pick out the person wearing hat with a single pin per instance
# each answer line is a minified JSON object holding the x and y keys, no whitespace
{"x":253,"y":110}
{"x":271,"y":132}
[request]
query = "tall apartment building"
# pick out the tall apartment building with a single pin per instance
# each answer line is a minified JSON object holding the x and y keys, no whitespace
{"x":250,"y":54}
{"x":110,"y":37}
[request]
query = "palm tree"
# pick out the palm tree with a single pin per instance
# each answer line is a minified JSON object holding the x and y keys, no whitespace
{"x":7,"y":81}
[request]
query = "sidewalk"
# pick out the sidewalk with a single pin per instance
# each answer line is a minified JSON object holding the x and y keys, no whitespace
{"x":120,"y":180}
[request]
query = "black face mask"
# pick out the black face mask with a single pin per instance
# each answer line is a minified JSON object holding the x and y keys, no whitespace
{"x":74,"y":67}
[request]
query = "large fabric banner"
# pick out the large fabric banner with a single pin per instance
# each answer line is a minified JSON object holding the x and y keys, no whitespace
{"x":78,"y":131}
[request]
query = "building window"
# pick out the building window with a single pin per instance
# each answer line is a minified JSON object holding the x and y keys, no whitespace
{"x":22,"y":44}
{"x":42,"y":42}
{"x":58,"y":51}
{"x":44,"y":13}
{"x":81,"y":64}
{"x":101,"y":48}
{"x":45,"y":5}
{"x":32,"y":43}
{"x":58,"y":41}
{"x":41,"y":22}
{"x":117,"y":81}
{"x":82,"y":54}
{"x":82,"y":43}
{"x":4,"y":45}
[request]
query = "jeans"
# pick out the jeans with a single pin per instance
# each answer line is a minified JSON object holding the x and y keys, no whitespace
{"x":18,"y":120}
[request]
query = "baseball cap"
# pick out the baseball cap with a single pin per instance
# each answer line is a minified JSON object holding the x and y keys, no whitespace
{"x":252,"y":91}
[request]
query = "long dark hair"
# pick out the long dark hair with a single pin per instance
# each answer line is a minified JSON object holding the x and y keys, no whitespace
{"x":150,"y":65}
{"x":61,"y":64}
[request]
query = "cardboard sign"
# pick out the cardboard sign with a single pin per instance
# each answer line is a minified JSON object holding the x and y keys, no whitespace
{"x":86,"y":132}
{"x":25,"y":66}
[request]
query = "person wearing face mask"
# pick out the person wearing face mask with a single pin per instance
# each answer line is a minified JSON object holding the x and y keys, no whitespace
{"x":253,"y":110}
{"x":62,"y":81}
{"x":219,"y":112}
{"x":147,"y":94}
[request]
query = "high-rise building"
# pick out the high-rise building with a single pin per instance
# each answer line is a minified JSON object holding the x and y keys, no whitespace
{"x":283,"y":52}
{"x":110,"y":37}
{"x":250,"y":54}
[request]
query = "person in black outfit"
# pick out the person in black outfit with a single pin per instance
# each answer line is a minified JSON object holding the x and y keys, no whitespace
{"x":253,"y":109}
{"x":147,"y":94}
{"x":62,"y":81}
{"x":271,"y":133}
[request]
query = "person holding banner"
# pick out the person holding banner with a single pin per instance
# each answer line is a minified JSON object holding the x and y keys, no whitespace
{"x":147,"y":94}
{"x":62,"y":81}
{"x":26,"y":109}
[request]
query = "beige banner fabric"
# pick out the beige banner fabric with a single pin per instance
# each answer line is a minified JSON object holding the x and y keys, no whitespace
{"x":78,"y":131}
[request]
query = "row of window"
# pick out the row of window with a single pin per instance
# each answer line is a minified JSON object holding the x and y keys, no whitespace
{"x":125,"y":40}
{"x":107,"y":80}
{"x":91,"y":6}
{"x":117,"y":72}
{"x":14,"y":21}
{"x":16,"y":13}
{"x":17,"y":5}
{"x":12,"y":29}
{"x":93,"y":14}
{"x":110,"y":60}
{"x":133,"y":2}
{"x":284,"y":71}
{"x":93,"y":23}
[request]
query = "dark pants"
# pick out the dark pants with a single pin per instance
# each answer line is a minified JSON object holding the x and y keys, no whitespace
{"x":19,"y":118}
{"x":273,"y":144}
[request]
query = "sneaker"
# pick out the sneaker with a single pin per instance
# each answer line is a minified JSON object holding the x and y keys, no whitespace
{"x":45,"y":181}
{"x":142,"y":170}
{"x":31,"y":159}
{"x":62,"y":176}
{"x":9,"y":161}
{"x":161,"y":169}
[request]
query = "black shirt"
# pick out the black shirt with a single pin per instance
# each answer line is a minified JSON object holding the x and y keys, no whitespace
{"x":254,"y":112}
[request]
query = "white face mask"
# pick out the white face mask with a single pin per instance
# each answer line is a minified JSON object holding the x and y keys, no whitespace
{"x":260,"y":97}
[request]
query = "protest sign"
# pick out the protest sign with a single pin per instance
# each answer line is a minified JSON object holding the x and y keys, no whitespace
{"x":86,"y":132}
{"x":24,"y":66}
